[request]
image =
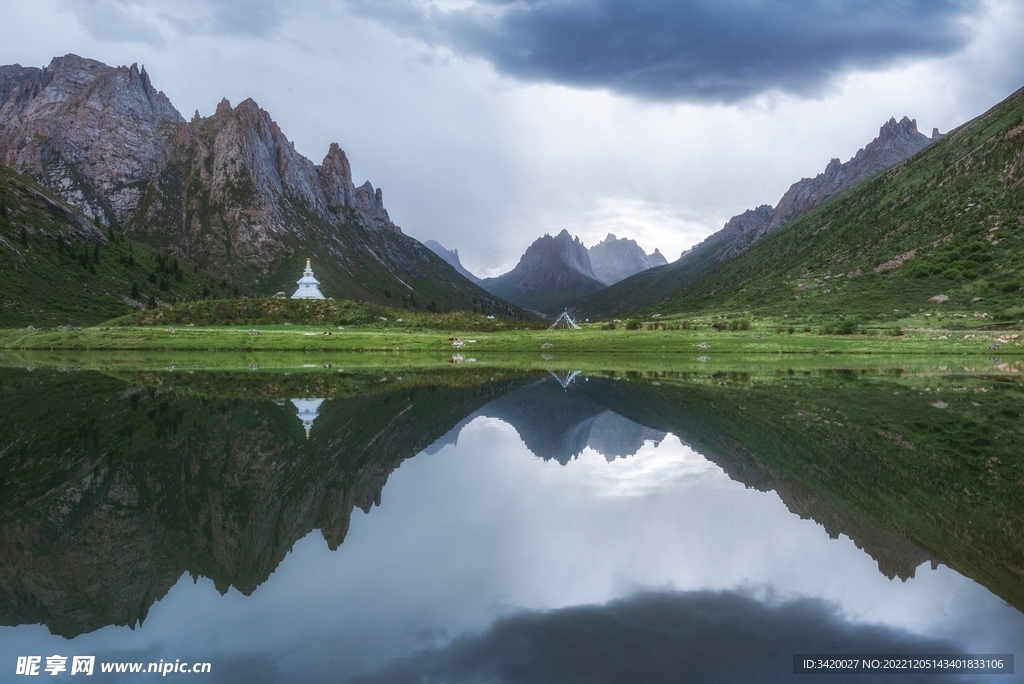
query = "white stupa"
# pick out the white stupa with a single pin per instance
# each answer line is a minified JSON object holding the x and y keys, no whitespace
{"x":309,"y":410}
{"x":309,"y":287}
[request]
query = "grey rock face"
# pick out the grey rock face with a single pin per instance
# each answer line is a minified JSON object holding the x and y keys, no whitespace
{"x":616,"y":259}
{"x":233,"y":187}
{"x":336,"y":175}
{"x":451,"y":256}
{"x":91,"y":133}
{"x":102,"y":137}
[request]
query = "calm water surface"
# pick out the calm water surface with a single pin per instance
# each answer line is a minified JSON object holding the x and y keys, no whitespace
{"x":483,"y":525}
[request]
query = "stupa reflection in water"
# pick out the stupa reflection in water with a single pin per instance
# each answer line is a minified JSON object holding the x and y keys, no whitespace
{"x":309,"y":410}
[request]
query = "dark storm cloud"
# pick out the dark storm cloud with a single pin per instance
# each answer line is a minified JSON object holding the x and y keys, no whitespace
{"x":704,"y":50}
{"x":684,"y":637}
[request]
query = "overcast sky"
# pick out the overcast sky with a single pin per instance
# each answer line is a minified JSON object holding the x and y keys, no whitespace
{"x":491,"y":122}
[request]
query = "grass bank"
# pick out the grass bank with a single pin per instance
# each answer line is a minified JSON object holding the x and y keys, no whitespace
{"x":396,"y":337}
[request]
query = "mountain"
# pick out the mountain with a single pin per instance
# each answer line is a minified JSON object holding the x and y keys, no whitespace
{"x":948,"y":221}
{"x":615,"y":259}
{"x":134,"y":482}
{"x":552,"y":274}
{"x":58,"y":268}
{"x":228,"y":193}
{"x":896,"y":142}
{"x":452,"y":257}
{"x":558,"y":424}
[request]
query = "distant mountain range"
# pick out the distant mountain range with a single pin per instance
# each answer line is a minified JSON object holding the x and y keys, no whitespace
{"x":896,"y":142}
{"x":616,"y":259}
{"x":555,"y":271}
{"x":227,"y":193}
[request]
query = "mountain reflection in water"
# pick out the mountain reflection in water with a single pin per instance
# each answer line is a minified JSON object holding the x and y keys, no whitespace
{"x":126,"y":482}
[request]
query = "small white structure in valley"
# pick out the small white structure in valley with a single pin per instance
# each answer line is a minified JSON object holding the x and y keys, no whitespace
{"x":564,"y":322}
{"x":309,"y":287}
{"x":309,"y":410}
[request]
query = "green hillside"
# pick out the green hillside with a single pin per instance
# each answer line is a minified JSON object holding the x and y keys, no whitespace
{"x":57,"y":269}
{"x":948,"y":221}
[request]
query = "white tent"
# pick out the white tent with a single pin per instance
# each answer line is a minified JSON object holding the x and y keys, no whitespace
{"x":564,"y":321}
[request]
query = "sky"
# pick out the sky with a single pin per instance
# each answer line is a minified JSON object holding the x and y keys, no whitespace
{"x":489,"y":123}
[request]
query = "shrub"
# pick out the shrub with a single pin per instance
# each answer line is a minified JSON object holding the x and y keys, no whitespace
{"x":846,"y":326}
{"x":791,"y":330}
{"x":895,"y":331}
{"x":633,"y":324}
{"x":608,"y":326}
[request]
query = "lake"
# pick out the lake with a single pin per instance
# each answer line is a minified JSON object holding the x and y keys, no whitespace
{"x":303,"y":521}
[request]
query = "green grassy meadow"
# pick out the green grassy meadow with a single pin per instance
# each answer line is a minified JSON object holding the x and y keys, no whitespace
{"x":344,"y":327}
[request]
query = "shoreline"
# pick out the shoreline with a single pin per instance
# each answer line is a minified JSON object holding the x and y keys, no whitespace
{"x":380,"y":339}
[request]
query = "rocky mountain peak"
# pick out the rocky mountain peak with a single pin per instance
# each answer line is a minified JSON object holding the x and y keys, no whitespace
{"x":222,"y":107}
{"x":615,"y":259}
{"x":904,"y":128}
{"x":336,"y":173}
{"x":91,"y":132}
{"x":552,"y":273}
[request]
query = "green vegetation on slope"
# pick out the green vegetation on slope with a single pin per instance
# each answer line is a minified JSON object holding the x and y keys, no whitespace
{"x":311,"y":312}
{"x":550,"y":302}
{"x":949,"y":221}
{"x":54,"y":272}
